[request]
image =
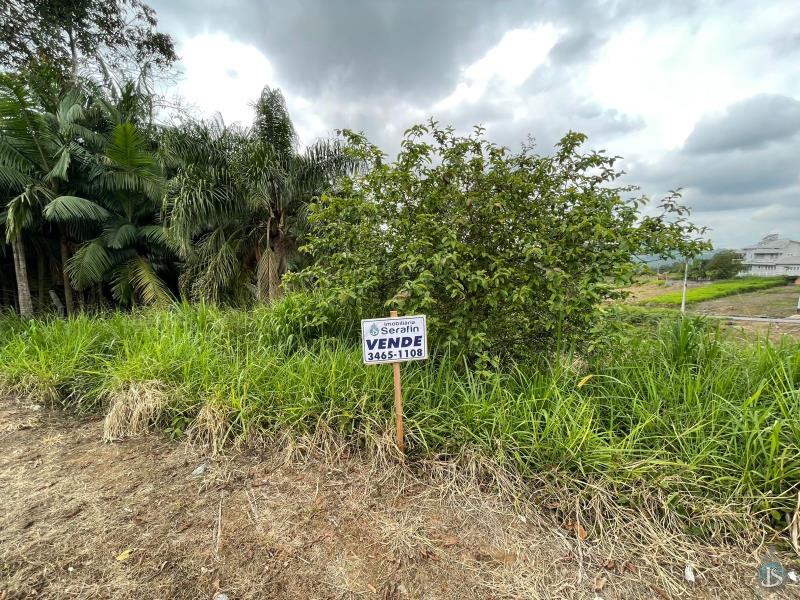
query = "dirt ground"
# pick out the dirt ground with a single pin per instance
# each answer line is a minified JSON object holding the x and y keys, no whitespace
{"x":773,"y":302}
{"x":87,"y":519}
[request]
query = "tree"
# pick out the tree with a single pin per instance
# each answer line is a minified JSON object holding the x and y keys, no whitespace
{"x":238,"y":199}
{"x":505,"y":252}
{"x":206,"y":211}
{"x":725,"y":264}
{"x":698,"y":269}
{"x":40,"y":150}
{"x":130,"y":247}
{"x":117,"y":34}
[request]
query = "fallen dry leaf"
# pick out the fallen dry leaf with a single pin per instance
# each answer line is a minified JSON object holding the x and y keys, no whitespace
{"x":124,"y":555}
{"x":599,"y":583}
{"x":579,"y":529}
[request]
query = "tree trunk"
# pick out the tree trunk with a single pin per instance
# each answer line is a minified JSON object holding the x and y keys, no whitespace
{"x":64,"y":276}
{"x":6,"y":296}
{"x":262,"y":279}
{"x":277,"y":266}
{"x":74,"y":57}
{"x":274,"y":275}
{"x":40,"y":279}
{"x":57,"y":303}
{"x":21,"y":269}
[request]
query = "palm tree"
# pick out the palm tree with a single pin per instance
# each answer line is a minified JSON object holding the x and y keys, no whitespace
{"x":39,"y":150}
{"x":130,"y":247}
{"x":238,"y":198}
{"x":15,"y":146}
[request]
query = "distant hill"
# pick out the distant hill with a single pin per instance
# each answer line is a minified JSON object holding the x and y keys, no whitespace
{"x":655,"y":261}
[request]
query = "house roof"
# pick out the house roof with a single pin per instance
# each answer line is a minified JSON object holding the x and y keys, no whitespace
{"x":771,"y":242}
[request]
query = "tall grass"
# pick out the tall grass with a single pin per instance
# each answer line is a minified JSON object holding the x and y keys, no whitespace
{"x":676,"y":406}
{"x":718,"y":289}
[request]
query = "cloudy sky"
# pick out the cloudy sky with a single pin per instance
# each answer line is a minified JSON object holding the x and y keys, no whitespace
{"x":693,"y":94}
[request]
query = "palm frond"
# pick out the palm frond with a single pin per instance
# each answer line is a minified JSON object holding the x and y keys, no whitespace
{"x":23,"y":208}
{"x":125,"y":234}
{"x":60,"y":169}
{"x":70,"y":110}
{"x":157,"y":235}
{"x":126,"y":148}
{"x":12,"y":178}
{"x":272,"y":122}
{"x":89,"y":265}
{"x":148,"y":285}
{"x":73,"y":208}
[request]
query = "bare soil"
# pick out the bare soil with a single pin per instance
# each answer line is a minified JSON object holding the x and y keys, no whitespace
{"x":87,"y":519}
{"x":773,"y":302}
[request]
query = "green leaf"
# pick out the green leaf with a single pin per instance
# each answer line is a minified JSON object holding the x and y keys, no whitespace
{"x":157,"y":235}
{"x":61,"y":168}
{"x":73,"y":208}
{"x":126,"y":148}
{"x":119,"y":237}
{"x":89,"y":265}
{"x":149,"y":286}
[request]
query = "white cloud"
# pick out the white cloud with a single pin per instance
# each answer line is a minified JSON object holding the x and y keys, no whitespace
{"x":508,"y":64}
{"x":222,"y":75}
{"x":672,"y":74}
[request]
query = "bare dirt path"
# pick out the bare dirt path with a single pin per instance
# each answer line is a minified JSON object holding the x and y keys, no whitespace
{"x":87,"y":519}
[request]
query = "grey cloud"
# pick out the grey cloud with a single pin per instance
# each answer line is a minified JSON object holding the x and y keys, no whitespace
{"x":380,"y":65}
{"x":411,"y":48}
{"x":731,"y":173}
{"x":744,"y":159}
{"x":751,"y":123}
{"x":576,"y":46}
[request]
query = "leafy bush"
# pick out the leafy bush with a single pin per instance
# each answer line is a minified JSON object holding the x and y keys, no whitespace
{"x":505,"y":252}
{"x":718,"y":289}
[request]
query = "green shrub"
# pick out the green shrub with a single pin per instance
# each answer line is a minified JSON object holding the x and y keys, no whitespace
{"x":505,"y":253}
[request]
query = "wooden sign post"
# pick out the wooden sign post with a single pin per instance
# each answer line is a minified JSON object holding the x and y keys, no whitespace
{"x":392,"y":341}
{"x":398,"y":402}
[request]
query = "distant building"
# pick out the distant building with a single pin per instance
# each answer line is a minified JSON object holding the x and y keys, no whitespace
{"x":772,"y":256}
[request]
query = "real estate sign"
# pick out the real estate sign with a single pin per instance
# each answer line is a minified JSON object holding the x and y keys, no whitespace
{"x":396,"y":339}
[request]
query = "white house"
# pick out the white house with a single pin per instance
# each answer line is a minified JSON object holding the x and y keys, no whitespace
{"x":772,"y":256}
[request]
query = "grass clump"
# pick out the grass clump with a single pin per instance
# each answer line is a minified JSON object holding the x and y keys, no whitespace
{"x":675,"y":407}
{"x":718,"y":289}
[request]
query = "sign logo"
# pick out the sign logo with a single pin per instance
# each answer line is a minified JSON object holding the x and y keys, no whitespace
{"x":374,"y":330}
{"x":771,"y":574}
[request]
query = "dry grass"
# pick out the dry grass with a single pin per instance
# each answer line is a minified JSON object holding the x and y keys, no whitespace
{"x":134,"y":409}
{"x":85,"y":519}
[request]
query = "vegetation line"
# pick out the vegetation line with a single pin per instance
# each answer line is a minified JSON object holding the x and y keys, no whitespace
{"x":718,"y":289}
{"x":672,"y":407}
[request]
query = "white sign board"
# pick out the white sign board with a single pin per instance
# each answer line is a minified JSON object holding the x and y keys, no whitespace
{"x":396,"y":339}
